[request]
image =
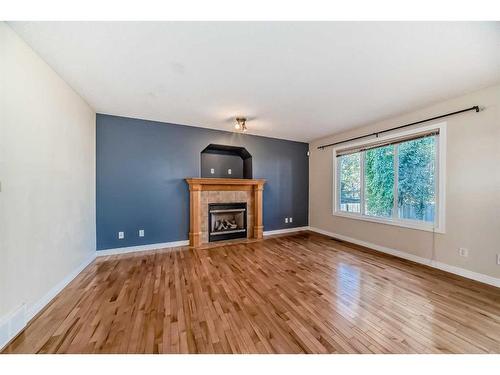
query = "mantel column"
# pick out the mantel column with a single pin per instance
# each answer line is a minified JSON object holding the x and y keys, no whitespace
{"x":194,"y":215}
{"x":258,"y":228}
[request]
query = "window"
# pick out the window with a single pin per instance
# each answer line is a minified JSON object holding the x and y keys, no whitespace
{"x":394,"y":180}
{"x":416,"y":179}
{"x":350,"y":183}
{"x":379,"y":181}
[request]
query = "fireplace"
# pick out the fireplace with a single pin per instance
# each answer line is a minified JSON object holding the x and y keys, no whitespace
{"x":227,"y":221}
{"x":206,"y":191}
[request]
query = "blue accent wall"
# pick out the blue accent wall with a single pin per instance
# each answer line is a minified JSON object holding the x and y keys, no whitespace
{"x":141,"y":166}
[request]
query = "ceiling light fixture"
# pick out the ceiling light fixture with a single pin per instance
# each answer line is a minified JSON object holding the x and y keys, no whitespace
{"x":241,"y":124}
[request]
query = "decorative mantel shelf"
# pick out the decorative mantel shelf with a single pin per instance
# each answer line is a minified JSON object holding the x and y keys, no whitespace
{"x":198,"y":185}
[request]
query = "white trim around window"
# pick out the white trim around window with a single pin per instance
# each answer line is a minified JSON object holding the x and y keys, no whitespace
{"x":439,"y":225}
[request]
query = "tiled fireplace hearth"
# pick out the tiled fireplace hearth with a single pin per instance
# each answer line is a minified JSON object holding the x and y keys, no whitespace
{"x":208,"y":191}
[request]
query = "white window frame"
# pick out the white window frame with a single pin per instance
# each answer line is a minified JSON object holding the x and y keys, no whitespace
{"x":439,"y":225}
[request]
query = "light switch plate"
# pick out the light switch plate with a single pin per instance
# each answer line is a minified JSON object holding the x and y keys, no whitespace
{"x":212,"y":171}
{"x":141,"y":232}
{"x":121,"y":235}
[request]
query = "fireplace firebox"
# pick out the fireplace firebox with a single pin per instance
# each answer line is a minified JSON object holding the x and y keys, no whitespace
{"x":227,"y":221}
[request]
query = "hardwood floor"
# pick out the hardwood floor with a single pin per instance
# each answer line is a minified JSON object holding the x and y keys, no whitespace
{"x":301,"y":293}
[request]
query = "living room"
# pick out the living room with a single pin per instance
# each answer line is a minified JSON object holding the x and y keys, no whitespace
{"x":236,"y":187}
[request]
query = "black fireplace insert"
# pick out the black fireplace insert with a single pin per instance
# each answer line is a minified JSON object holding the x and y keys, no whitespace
{"x":227,"y":221}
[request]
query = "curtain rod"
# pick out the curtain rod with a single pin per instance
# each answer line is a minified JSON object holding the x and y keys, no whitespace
{"x":376,"y":134}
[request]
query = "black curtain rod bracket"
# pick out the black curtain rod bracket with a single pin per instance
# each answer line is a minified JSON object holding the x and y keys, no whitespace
{"x":376,"y":134}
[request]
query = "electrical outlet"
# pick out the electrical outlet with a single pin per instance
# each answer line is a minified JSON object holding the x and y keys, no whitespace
{"x":290,"y":220}
{"x":141,"y":232}
{"x":286,"y":220}
{"x":463,"y":252}
{"x":229,"y":171}
{"x":498,"y":259}
{"x":212,"y":171}
{"x":121,"y":235}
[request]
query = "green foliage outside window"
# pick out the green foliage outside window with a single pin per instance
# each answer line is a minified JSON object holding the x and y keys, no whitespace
{"x":416,"y":178}
{"x":379,"y":181}
{"x":350,"y":182}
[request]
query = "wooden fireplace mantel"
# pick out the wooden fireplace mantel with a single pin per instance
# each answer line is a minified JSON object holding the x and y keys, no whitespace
{"x":197,"y":185}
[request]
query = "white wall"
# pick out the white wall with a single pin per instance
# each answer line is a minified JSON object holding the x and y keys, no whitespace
{"x":47,"y":176}
{"x":472,"y":189}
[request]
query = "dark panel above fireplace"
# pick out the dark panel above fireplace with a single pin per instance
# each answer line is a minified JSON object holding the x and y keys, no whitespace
{"x":222,"y":161}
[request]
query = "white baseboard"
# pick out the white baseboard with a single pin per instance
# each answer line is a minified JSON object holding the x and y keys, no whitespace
{"x":13,"y":323}
{"x":133,"y":249}
{"x":282,"y":231}
{"x":428,"y":262}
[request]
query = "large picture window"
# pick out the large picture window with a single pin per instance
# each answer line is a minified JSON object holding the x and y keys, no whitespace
{"x":394,"y":180}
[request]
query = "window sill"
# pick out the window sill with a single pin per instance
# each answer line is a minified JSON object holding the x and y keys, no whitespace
{"x":399,"y":223}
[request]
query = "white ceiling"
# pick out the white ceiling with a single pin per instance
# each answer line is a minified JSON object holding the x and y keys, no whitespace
{"x":295,"y":80}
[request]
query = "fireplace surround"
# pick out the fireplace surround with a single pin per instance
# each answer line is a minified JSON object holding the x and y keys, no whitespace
{"x":205,"y":191}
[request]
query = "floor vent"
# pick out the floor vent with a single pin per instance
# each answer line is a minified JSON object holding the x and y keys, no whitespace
{"x":336,"y":240}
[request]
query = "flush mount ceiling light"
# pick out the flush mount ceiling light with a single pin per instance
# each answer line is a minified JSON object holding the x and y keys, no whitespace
{"x":241,"y":124}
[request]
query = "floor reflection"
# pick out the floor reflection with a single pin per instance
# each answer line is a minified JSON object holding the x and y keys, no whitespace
{"x":348,"y":284}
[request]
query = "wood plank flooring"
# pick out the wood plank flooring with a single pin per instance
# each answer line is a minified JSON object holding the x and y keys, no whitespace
{"x":301,"y":293}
